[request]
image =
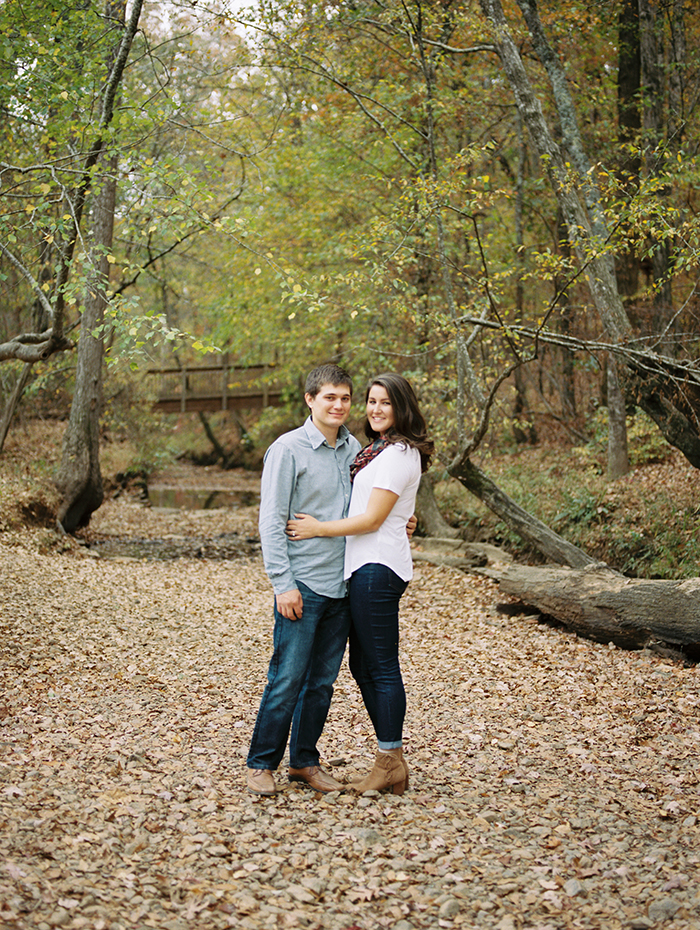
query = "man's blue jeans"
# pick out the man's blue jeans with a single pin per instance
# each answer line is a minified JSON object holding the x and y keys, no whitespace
{"x":305,"y":662}
{"x":375,"y":591}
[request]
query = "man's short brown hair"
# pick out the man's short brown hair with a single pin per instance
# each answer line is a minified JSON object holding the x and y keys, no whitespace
{"x":326,"y":374}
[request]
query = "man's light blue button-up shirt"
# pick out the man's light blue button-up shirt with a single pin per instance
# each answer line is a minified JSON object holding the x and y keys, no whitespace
{"x":302,"y":473}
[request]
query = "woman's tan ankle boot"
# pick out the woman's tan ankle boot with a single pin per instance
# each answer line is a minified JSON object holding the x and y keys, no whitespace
{"x":390,"y":771}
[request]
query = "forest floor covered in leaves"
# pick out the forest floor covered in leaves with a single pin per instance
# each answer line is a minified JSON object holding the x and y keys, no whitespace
{"x":554,"y":781}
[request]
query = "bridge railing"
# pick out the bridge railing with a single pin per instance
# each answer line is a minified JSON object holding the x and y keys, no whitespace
{"x":222,"y":386}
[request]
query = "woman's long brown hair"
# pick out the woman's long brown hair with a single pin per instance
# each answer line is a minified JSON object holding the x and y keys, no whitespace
{"x":409,"y":423}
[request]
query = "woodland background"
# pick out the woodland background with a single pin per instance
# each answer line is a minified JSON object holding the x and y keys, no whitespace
{"x":356,"y":181}
{"x":375,"y":183}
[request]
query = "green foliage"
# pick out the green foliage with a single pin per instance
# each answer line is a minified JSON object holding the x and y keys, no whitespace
{"x":580,"y":507}
{"x":172,"y":187}
{"x":647,"y":445}
{"x":338,"y":185}
{"x":135,"y":338}
{"x":645,"y":442}
{"x":646,"y":524}
{"x":136,"y":441}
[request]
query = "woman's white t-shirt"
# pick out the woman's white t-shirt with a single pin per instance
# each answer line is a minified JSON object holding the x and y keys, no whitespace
{"x":397,"y":468}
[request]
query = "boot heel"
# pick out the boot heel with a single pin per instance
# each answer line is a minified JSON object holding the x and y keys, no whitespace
{"x":399,"y":787}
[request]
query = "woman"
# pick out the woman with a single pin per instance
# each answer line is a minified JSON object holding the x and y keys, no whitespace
{"x":378,"y":564}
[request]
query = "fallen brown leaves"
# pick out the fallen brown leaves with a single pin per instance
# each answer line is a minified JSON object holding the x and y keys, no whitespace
{"x":554,"y":782}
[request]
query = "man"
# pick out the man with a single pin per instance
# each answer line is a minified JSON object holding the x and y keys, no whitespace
{"x":305,"y":471}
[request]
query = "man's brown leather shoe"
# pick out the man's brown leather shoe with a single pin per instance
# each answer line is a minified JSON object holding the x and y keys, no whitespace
{"x":314,"y":776}
{"x":261,"y":781}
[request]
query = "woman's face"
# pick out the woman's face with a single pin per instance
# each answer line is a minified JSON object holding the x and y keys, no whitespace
{"x":380,"y":413}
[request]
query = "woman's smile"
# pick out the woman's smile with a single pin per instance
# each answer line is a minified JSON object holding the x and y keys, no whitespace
{"x":380,"y":412}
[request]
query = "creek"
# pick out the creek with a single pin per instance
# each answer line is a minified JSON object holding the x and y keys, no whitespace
{"x":201,"y":498}
{"x":168,"y":497}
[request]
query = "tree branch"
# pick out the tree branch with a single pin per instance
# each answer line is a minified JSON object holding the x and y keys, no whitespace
{"x":31,"y":348}
{"x":31,"y":280}
{"x":644,"y":360}
{"x":114,"y":78}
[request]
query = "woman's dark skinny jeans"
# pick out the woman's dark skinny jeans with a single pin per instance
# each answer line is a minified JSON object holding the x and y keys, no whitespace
{"x":375,"y":591}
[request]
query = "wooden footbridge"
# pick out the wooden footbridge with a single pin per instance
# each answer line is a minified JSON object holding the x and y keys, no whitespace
{"x":223,"y":386}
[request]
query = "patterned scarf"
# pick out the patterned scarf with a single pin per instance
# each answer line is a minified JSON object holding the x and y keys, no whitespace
{"x":365,"y":456}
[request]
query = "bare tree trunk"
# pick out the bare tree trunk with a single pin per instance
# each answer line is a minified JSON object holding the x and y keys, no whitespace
{"x":656,"y":59}
{"x":13,"y":401}
{"x":568,"y":386}
{"x":618,"y":458}
{"x":522,"y":430}
{"x":629,"y":124}
{"x":219,"y":450}
{"x":468,"y":389}
{"x":79,"y":478}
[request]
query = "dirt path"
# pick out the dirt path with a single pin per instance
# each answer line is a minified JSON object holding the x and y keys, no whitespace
{"x":554,"y":782}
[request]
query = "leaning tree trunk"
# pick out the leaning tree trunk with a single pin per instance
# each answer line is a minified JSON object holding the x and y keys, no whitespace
{"x":529,"y":528}
{"x":618,"y":457}
{"x":80,"y":479}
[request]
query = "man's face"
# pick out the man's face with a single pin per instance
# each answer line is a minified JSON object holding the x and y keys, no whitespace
{"x":331,"y":406}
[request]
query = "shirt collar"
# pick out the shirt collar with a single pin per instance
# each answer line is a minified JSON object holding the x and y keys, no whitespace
{"x":316,"y":437}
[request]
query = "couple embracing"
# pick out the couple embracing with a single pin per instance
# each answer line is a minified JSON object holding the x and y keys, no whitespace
{"x":333,"y":521}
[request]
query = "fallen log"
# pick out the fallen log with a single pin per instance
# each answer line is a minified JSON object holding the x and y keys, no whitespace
{"x":456,"y":553}
{"x":605,"y":606}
